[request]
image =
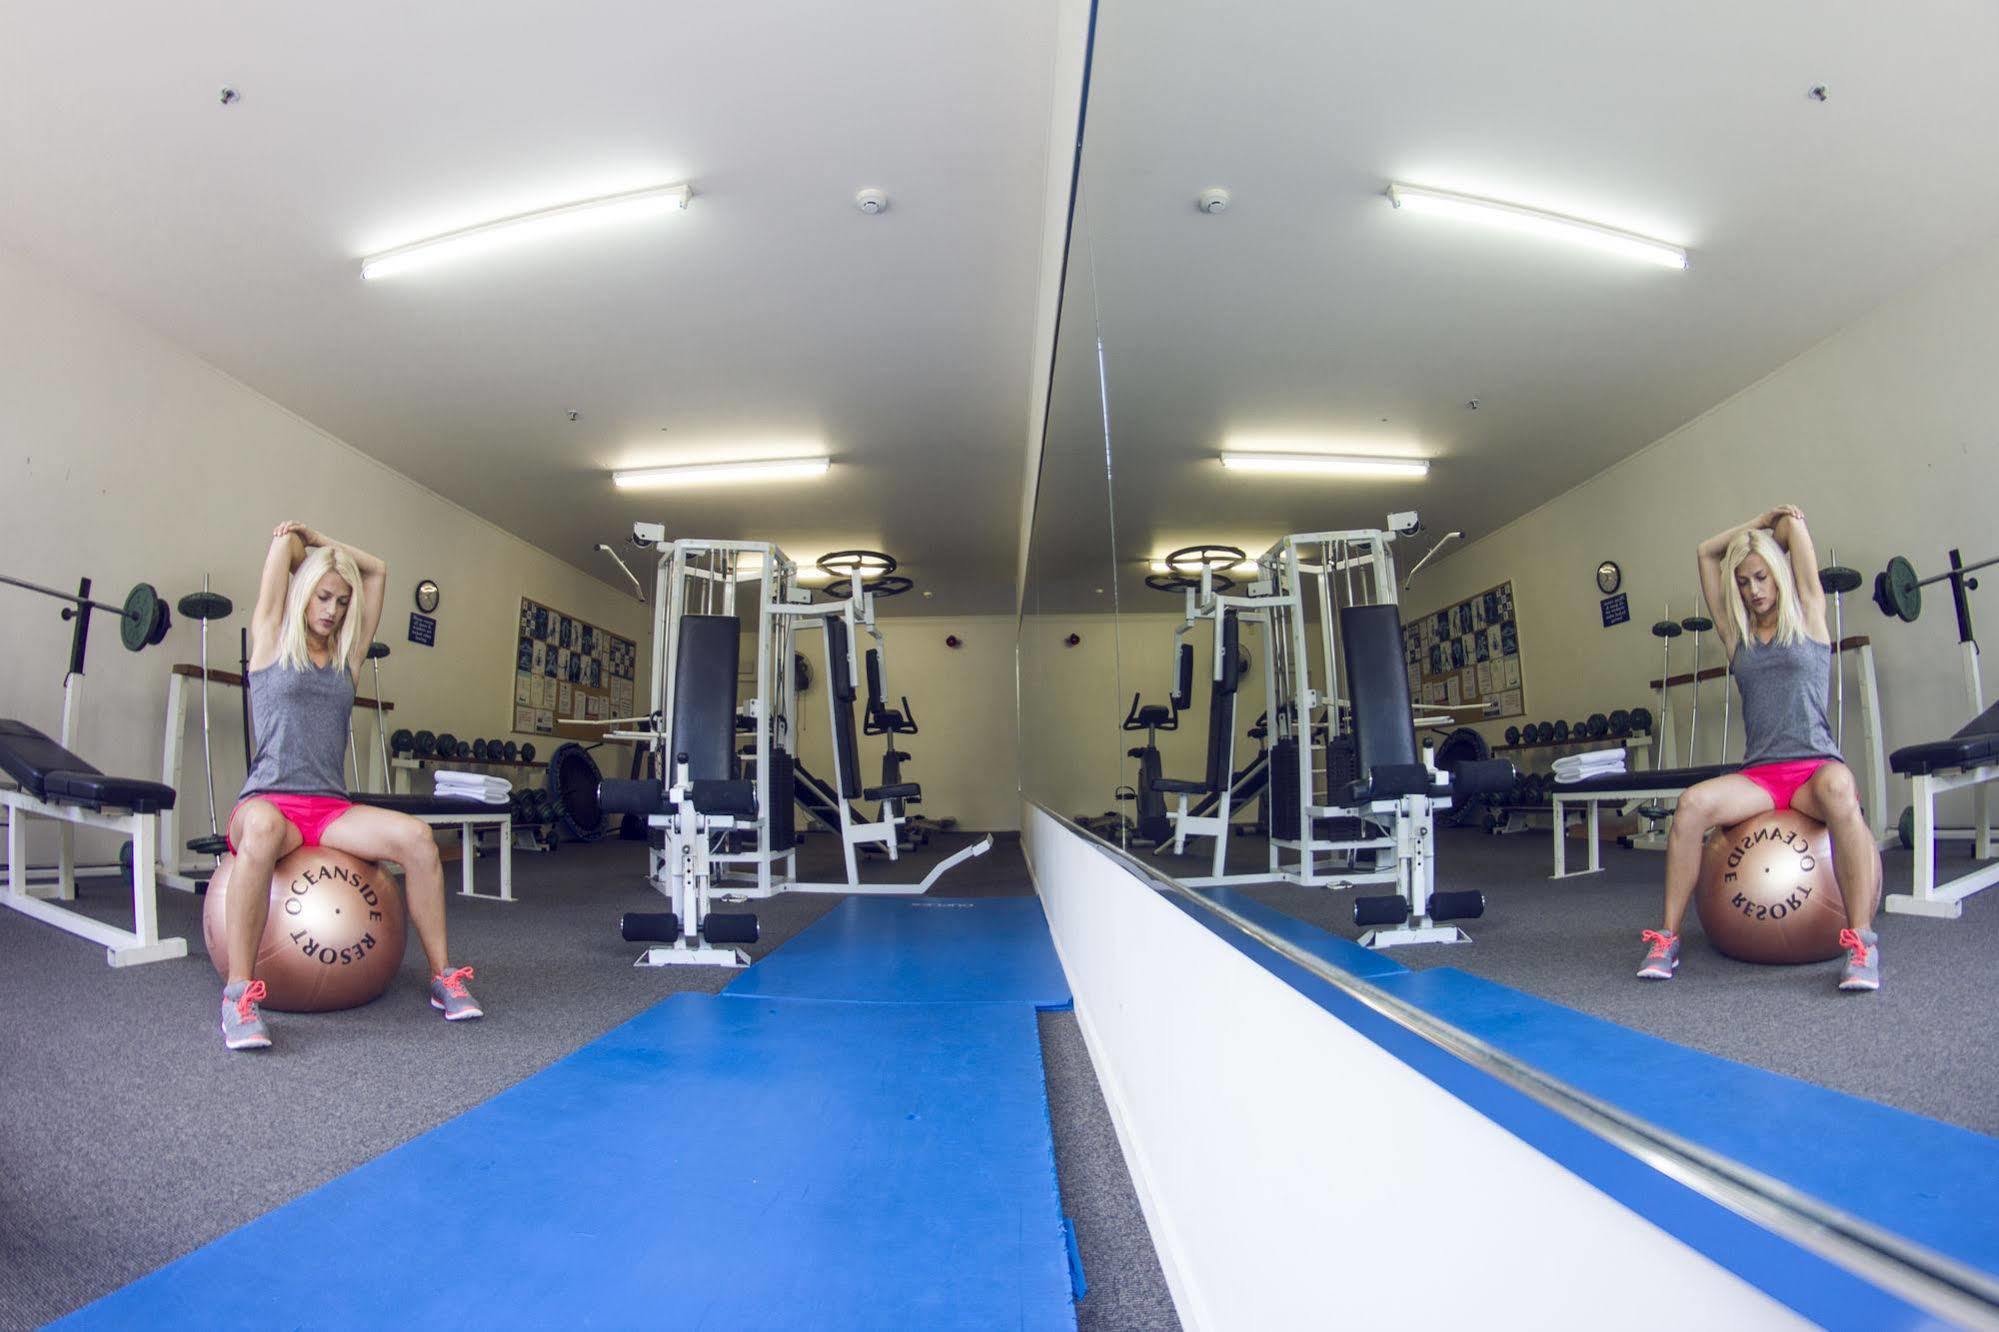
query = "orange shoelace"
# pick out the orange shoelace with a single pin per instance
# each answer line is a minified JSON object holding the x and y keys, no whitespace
{"x":454,"y":981}
{"x":1851,"y":940}
{"x":246,"y":1003}
{"x":1662,"y":944}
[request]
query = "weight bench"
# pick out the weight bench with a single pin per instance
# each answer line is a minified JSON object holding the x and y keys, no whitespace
{"x":1619,"y":788}
{"x":1969,"y":760}
{"x":54,"y":784}
{"x":467,"y":816}
{"x":1397,"y":783}
{"x":1214,"y":785}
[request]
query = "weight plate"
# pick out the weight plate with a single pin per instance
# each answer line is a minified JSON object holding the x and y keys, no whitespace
{"x":402,"y":742}
{"x":1598,"y":725}
{"x":479,"y":750}
{"x":512,"y":751}
{"x":447,"y":745}
{"x":135,"y":625}
{"x":1836,"y":579}
{"x":163,"y":620}
{"x":527,"y":752}
{"x":573,"y":779}
{"x":1641,"y":720}
{"x":426,"y":744}
{"x":205,"y":606}
{"x":1561,"y":731}
{"x":1903,"y":590}
{"x":1513,"y":735}
{"x":465,"y":749}
{"x":1667,"y":629}
{"x":1620,"y":723}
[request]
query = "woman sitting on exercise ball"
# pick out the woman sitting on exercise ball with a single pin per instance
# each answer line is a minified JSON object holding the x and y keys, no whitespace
{"x":317,"y":608}
{"x":1762,"y":587}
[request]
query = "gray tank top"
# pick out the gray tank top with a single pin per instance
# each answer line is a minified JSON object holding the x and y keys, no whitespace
{"x":301,"y":719}
{"x":1783,"y":700}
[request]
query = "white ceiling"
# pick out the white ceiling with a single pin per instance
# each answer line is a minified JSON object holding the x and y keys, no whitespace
{"x":771,"y":312}
{"x":1312,"y":309}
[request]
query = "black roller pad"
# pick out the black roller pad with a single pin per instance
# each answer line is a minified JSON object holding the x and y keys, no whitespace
{"x":649,"y":927}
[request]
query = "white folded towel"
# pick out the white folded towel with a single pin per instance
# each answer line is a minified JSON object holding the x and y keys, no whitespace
{"x":473,"y":786}
{"x":1595,"y":763}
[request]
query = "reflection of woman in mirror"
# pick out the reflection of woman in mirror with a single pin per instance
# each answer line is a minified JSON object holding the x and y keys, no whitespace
{"x":1762,"y":588}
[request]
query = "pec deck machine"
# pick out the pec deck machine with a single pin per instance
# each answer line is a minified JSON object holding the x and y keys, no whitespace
{"x":724,"y":740}
{"x":1353,"y":796}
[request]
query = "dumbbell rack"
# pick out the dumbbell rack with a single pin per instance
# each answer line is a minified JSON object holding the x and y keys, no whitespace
{"x":1522,"y":817}
{"x":527,"y":836}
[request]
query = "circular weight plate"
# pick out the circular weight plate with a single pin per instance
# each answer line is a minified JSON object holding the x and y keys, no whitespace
{"x":204,"y":606}
{"x":1620,"y":723}
{"x":1837,"y":579}
{"x":402,"y":741}
{"x":1513,"y":735}
{"x":527,"y":752}
{"x":1598,"y":726}
{"x":1904,"y":590}
{"x":135,"y":625}
{"x":1697,"y":624}
{"x":573,"y":779}
{"x":425,"y":744}
{"x":163,"y":620}
{"x":1667,"y":629}
{"x":1641,"y":720}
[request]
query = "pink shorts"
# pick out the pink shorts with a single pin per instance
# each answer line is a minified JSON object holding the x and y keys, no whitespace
{"x":309,"y":814}
{"x":1782,"y":780}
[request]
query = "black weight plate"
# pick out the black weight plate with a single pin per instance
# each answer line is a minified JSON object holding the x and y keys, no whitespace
{"x":1697,"y":624}
{"x":1620,"y":723}
{"x":1905,"y":827}
{"x":573,"y":779}
{"x":527,"y":752}
{"x":1837,"y":579}
{"x":1598,"y":726}
{"x":1513,"y":735}
{"x":204,"y":606}
{"x":1903,"y":590}
{"x":163,"y":620}
{"x":447,"y":745}
{"x":135,"y":624}
{"x":465,"y":749}
{"x":426,"y":744}
{"x":1561,"y":731}
{"x":1667,"y":629}
{"x":1641,"y":720}
{"x":402,"y":742}
{"x":511,"y":750}
{"x":479,"y":750}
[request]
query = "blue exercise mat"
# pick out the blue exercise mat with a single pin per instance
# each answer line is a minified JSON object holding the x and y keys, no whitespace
{"x":1932,"y":1182}
{"x":918,"y":950}
{"x":716,"y":1162}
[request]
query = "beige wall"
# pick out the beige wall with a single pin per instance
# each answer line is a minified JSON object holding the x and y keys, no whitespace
{"x":128,"y":459}
{"x":963,"y":699}
{"x":1884,"y":434}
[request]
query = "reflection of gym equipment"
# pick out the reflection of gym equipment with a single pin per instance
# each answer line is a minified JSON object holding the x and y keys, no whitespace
{"x":333,"y":938}
{"x":747,"y":583}
{"x":52,"y":782}
{"x":1150,"y":825}
{"x":1968,"y":760}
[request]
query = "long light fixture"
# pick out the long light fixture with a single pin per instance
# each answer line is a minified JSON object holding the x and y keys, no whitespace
{"x":1536,"y":222}
{"x":633,"y":205}
{"x":1325,"y":464}
{"x":716,"y":474}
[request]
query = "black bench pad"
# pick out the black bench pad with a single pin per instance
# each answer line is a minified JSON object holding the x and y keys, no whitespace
{"x":424,"y":804}
{"x":1966,"y":752}
{"x":898,"y":791}
{"x":49,"y":772}
{"x":1658,"y":779}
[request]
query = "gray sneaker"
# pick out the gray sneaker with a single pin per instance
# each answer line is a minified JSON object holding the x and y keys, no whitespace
{"x":242,"y":1025}
{"x":1662,"y":956}
{"x":448,"y":992}
{"x":1863,"y":960}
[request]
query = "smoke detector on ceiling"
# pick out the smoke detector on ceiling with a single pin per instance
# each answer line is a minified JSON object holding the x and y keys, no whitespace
{"x":871,"y":202}
{"x":1213,"y":201}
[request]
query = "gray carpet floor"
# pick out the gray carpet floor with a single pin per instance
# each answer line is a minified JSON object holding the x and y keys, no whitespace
{"x":1927,"y":1042}
{"x":129,"y":1136}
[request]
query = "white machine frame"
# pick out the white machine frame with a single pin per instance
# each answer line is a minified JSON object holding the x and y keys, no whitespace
{"x":741,"y":579}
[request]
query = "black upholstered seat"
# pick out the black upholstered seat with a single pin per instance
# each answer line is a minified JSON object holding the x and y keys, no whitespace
{"x":49,"y":772}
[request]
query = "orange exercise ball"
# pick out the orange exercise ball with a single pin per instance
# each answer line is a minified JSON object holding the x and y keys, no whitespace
{"x":1767,"y":892}
{"x":334,"y":937}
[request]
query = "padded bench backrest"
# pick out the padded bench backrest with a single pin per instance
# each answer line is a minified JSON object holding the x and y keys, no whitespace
{"x":29,"y":757}
{"x":1221,"y":703}
{"x":704,"y":696}
{"x":1378,"y":687}
{"x":839,"y":670}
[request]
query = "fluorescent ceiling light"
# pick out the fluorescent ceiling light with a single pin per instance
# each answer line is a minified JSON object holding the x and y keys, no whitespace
{"x":1324,"y":464}
{"x":1535,"y":222}
{"x":655,"y":201}
{"x":710,"y":474}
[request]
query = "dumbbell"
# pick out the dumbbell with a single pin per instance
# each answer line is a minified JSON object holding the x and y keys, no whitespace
{"x":1513,"y":735}
{"x":527,"y":752}
{"x":1561,"y":732}
{"x":479,"y":750}
{"x":426,"y":744}
{"x":1544,"y":733}
{"x":512,"y":750}
{"x":1598,"y":726}
{"x":402,"y":742}
{"x":1620,"y":723}
{"x":1641,"y":720}
{"x":447,"y":745}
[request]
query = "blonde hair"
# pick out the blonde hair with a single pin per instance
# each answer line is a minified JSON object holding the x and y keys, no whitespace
{"x":1760,"y":542}
{"x":319,"y":561}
